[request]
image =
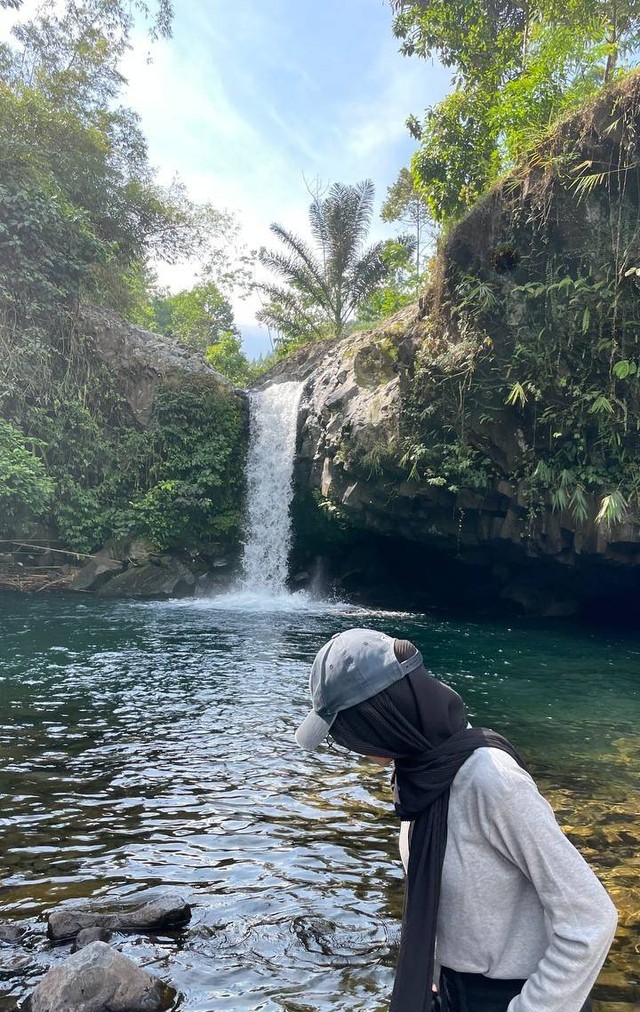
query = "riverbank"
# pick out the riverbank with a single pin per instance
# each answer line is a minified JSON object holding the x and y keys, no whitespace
{"x":125,"y":568}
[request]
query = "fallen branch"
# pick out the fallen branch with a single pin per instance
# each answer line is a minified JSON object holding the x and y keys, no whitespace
{"x":60,"y":551}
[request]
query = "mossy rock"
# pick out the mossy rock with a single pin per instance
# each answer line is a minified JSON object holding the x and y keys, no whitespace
{"x":375,"y":364}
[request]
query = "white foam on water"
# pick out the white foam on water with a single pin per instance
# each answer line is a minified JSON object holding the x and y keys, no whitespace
{"x":244,"y":601}
{"x":247,"y":601}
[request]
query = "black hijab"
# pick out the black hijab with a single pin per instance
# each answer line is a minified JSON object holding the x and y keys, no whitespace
{"x":422,"y":725}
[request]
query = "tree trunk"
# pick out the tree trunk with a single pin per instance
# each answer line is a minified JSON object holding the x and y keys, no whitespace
{"x":612,"y":39}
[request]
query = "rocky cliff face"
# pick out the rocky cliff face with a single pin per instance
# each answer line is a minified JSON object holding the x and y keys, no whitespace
{"x":483,"y":446}
{"x":139,"y":360}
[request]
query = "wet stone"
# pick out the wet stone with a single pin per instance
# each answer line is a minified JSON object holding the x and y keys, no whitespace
{"x":99,"y":979}
{"x":165,"y":914}
{"x":89,"y":935}
{"x":11,"y":932}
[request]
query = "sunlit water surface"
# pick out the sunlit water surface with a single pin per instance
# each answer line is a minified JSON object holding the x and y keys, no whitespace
{"x":146,"y":747}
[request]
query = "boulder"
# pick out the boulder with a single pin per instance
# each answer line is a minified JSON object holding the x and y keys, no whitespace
{"x":140,"y":360}
{"x":96,"y":572}
{"x":164,"y":914}
{"x":166,"y":577}
{"x":99,"y":979}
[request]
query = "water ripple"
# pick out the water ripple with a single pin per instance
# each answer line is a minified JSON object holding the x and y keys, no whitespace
{"x":145,"y":747}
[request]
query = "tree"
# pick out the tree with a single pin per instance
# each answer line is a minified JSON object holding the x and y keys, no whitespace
{"x":226,"y":355}
{"x":119,"y":12}
{"x":196,"y":317}
{"x":458,"y":155}
{"x":400,"y":285}
{"x":201,"y":318}
{"x":324,"y":282}
{"x":406,"y":204}
{"x":519,"y":65}
{"x":69,"y":151}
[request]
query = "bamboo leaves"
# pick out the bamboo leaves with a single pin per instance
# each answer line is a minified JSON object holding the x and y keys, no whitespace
{"x":613,"y":509}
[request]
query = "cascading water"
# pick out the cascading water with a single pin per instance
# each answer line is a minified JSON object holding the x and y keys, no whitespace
{"x":272,"y":446}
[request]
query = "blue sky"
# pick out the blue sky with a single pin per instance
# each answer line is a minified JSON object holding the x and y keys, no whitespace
{"x":249,"y":99}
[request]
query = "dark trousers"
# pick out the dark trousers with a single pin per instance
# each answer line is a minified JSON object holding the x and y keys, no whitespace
{"x":472,"y":992}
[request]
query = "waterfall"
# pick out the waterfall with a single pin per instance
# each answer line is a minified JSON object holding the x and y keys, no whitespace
{"x":272,"y":447}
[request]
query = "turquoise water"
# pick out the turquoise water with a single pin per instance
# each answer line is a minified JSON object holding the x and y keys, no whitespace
{"x":149,"y":746}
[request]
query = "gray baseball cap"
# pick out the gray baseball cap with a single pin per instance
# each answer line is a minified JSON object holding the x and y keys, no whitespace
{"x":351,"y":667}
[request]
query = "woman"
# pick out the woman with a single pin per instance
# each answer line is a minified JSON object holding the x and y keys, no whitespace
{"x":522,"y":923}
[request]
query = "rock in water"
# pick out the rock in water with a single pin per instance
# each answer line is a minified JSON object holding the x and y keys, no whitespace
{"x":99,"y":979}
{"x":162,"y":914}
{"x":11,"y":932}
{"x":89,"y":935}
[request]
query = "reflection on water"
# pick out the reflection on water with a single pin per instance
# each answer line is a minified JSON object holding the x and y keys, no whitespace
{"x":146,"y":746}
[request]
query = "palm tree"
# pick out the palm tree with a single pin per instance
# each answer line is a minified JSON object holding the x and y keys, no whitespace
{"x":324,"y":282}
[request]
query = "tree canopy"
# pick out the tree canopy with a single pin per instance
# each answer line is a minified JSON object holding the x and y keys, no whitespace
{"x":517,"y":67}
{"x":325,"y":281}
{"x":196,"y":317}
{"x":68,"y":148}
{"x":82,"y":220}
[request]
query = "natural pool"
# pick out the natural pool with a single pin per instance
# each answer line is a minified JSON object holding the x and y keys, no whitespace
{"x":149,"y":746}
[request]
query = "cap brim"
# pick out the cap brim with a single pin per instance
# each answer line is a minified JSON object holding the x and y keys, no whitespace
{"x":313,"y":730}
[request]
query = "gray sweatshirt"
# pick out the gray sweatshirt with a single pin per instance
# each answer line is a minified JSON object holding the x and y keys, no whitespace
{"x":517,"y":898}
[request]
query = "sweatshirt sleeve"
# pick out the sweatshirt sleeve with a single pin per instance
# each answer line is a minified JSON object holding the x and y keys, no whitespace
{"x":520,"y":824}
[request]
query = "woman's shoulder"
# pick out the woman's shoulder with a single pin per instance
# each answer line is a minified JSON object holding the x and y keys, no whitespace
{"x":491,"y":790}
{"x":492,"y":772}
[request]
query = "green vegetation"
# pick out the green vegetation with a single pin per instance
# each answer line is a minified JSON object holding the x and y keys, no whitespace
{"x":541,"y":340}
{"x":192,"y":463}
{"x":80,"y":219}
{"x":518,"y":67}
{"x":195,"y":318}
{"x":176,"y":482}
{"x":325,"y":283}
{"x":25,"y":487}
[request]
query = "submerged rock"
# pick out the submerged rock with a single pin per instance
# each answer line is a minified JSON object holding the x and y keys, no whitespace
{"x":99,"y":979}
{"x":14,"y":964}
{"x":163,"y":914}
